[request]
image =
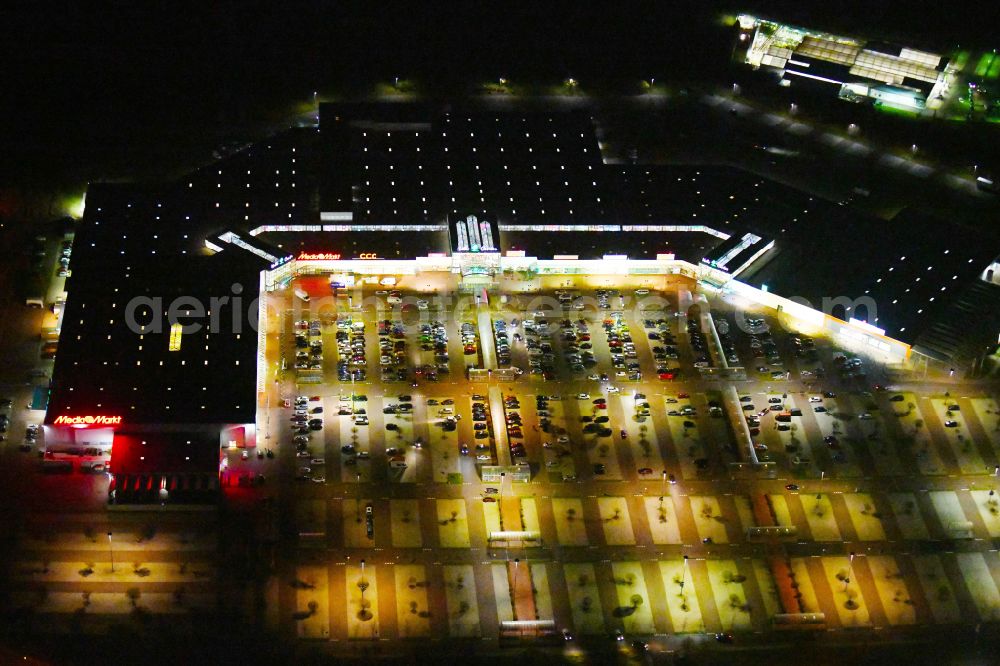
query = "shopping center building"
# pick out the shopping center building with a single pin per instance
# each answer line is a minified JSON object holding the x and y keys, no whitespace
{"x":851,"y":68}
{"x":161,"y":350}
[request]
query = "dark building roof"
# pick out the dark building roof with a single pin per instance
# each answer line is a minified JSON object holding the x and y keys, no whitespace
{"x":115,"y":347}
{"x":165,"y":452}
{"x":508,"y":167}
{"x":967,"y":327}
{"x":910,"y":267}
{"x":148,"y":242}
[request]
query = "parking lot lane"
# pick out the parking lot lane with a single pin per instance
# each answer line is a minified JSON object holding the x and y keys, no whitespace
{"x":663,"y":526}
{"x":686,"y":520}
{"x":954,"y":522}
{"x":682,"y":602}
{"x":929,"y":457}
{"x":312,"y":602}
{"x":398,"y":433}
{"x":640,"y":436}
{"x":684,"y":436}
{"x":357,"y":437}
{"x":500,"y":439}
{"x":633,"y":602}
{"x":783,"y":515}
{"x":584,"y":598}
{"x":807,"y":594}
{"x":362,"y":607}
{"x":937,"y":589}
{"x":501,"y":592}
{"x":405,"y":522}
{"x":908,"y":516}
{"x":616,"y":521}
{"x":762,"y":589}
{"x":461,"y":601}
{"x":542,"y":591}
{"x":602,"y":452}
{"x":529,"y":515}
{"x":744,"y":510}
{"x":954,"y":429}
{"x":354,"y":521}
{"x":413,"y":612}
{"x":819,"y":513}
{"x":491,"y":517}
{"x":442,"y":442}
{"x":708,"y":519}
{"x":980,"y":582}
{"x":986,"y":505}
{"x":893,"y":593}
{"x":985,"y":423}
{"x":731,"y":518}
{"x":847,"y":595}
{"x":862,"y":514}
{"x":429,"y":523}
{"x":571,"y":528}
{"x":560,"y":454}
{"x":728,"y":593}
{"x":453,"y":527}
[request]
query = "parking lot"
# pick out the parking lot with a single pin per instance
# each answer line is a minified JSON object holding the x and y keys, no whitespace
{"x":606,"y":402}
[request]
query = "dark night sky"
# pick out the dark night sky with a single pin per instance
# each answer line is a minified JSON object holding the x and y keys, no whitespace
{"x":89,"y":86}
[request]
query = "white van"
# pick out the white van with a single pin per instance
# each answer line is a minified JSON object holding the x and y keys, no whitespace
{"x":302,"y":295}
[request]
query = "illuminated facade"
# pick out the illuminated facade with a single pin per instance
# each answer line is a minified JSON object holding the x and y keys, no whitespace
{"x":855,"y":69}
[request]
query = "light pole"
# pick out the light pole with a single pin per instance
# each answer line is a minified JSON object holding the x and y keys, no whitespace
{"x":516,"y":562}
{"x":684,"y":573}
{"x":358,"y":503}
{"x":500,"y":501}
{"x":850,"y":571}
{"x":111,"y":550}
{"x":663,"y":486}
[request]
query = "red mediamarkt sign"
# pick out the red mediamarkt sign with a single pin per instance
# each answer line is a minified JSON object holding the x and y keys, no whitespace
{"x":88,"y":420}
{"x":319,"y":256}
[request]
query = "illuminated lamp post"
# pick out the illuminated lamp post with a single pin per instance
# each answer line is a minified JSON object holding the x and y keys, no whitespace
{"x":500,"y":502}
{"x":516,"y":562}
{"x":684,"y":574}
{"x":850,"y":570}
{"x":111,"y":550}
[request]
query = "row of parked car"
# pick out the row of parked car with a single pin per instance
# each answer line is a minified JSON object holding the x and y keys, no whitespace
{"x":502,"y":342}
{"x":698,"y":344}
{"x":577,"y":347}
{"x":763,"y":347}
{"x":664,"y":348}
{"x":480,"y":429}
{"x":624,"y":358}
{"x":306,"y":418}
{"x":351,"y":350}
{"x":308,"y":345}
{"x":392,"y":351}
{"x":512,"y":418}
{"x":538,"y":341}
{"x":434,"y":339}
